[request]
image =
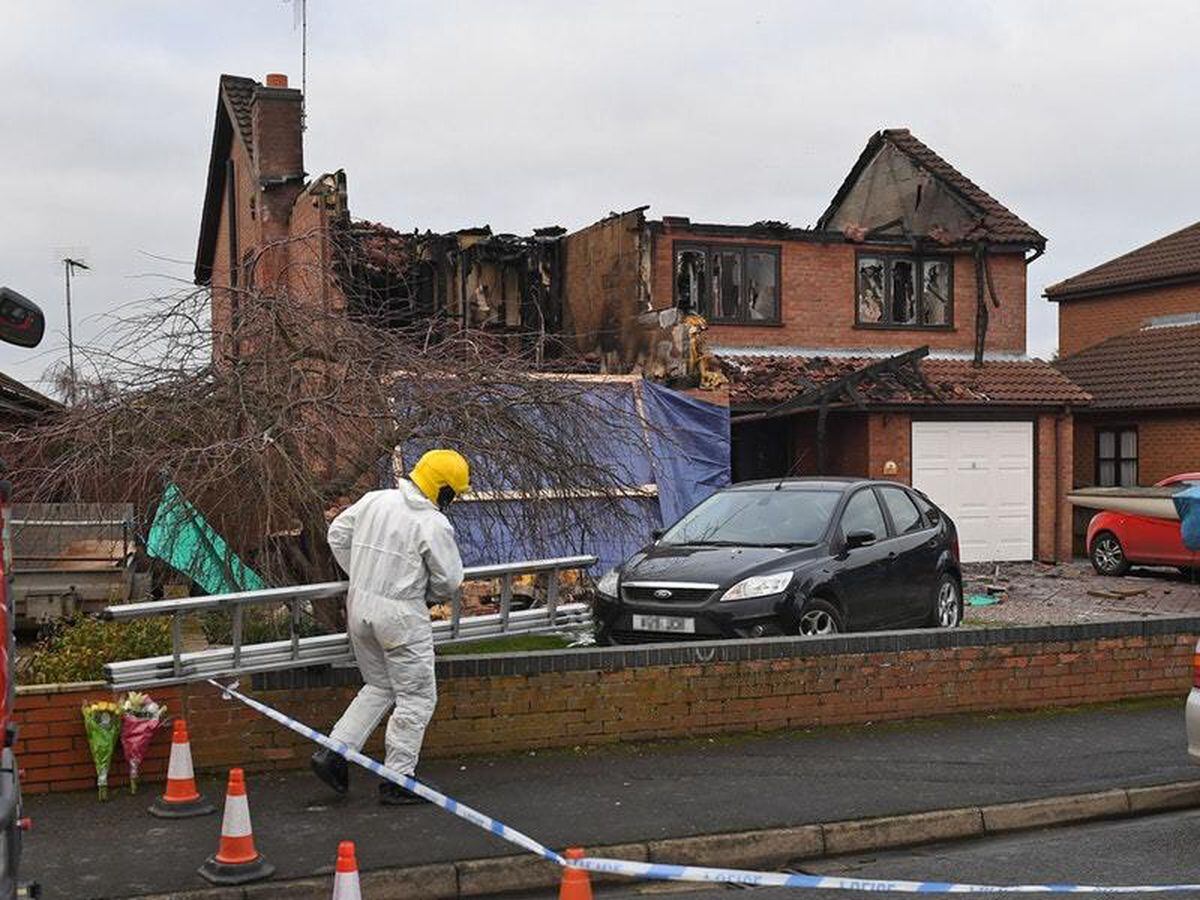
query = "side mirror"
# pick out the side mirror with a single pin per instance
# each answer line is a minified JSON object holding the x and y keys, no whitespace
{"x":21,"y":322}
{"x":656,"y":533}
{"x":859,"y":538}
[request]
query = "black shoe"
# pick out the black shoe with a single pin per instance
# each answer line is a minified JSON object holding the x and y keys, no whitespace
{"x":391,"y":794}
{"x":332,"y":769}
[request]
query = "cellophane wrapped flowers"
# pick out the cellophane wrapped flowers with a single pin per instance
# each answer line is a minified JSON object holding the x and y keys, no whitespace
{"x":140,"y":718}
{"x":102,"y":722}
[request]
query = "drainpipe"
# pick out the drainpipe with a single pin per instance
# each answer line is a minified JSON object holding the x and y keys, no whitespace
{"x":1057,"y":486}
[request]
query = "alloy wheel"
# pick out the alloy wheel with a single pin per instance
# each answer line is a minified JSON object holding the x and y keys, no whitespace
{"x":817,"y":621}
{"x":947,"y":605}
{"x":1108,"y":554}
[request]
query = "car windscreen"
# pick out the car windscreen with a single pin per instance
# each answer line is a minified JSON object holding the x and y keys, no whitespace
{"x":767,"y":518}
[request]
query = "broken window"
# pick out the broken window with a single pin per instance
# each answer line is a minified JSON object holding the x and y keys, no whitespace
{"x":728,"y":283}
{"x":870,"y":289}
{"x":904,"y":291}
{"x":762,"y":285}
{"x":1117,"y":457}
{"x":690,"y":267}
{"x":935,"y":287}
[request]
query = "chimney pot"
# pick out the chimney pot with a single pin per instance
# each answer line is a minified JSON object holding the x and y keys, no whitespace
{"x":276,"y":80}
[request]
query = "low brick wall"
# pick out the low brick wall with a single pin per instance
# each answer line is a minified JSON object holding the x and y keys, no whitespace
{"x":52,"y":748}
{"x":491,"y":704}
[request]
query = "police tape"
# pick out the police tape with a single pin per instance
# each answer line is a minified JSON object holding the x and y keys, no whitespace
{"x":663,"y":871}
{"x":487,"y":823}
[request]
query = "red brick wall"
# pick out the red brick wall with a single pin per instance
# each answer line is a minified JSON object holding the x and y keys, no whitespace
{"x":52,"y":748}
{"x":844,"y":681}
{"x":890,"y":436}
{"x":1054,"y":437}
{"x":1082,"y":323}
{"x":818,"y":297}
{"x":1168,"y":444}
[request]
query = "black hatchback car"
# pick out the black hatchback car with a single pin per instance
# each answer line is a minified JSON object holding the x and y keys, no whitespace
{"x":803,"y":556}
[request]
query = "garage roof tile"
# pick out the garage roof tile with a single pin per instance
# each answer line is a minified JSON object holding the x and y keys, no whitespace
{"x":768,"y":380}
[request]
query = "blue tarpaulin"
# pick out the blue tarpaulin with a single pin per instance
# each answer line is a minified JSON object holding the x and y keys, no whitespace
{"x":1187,"y":504}
{"x":677,"y":458}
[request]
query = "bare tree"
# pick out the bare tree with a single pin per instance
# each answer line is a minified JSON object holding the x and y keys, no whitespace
{"x":270,"y":423}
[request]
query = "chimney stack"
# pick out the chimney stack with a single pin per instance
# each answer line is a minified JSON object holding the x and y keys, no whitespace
{"x":275,"y":116}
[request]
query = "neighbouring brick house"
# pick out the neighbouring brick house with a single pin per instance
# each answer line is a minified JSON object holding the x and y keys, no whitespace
{"x":889,"y":340}
{"x":1129,"y":334}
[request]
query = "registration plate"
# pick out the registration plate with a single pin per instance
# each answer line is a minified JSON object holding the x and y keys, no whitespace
{"x":674,"y":624}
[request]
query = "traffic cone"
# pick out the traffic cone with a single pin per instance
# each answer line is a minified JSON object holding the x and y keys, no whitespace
{"x":575,"y":882}
{"x":236,"y":861}
{"x":181,"y":799}
{"x":345,"y":878}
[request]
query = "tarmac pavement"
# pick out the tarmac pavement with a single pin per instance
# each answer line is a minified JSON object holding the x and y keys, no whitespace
{"x":83,"y":849}
{"x":1150,"y":850}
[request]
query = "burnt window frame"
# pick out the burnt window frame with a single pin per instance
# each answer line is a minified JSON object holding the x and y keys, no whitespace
{"x":1118,"y":458}
{"x":919,"y":260}
{"x":709,"y":249}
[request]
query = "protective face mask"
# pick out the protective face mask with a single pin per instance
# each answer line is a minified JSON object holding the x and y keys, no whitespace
{"x":446,"y":496}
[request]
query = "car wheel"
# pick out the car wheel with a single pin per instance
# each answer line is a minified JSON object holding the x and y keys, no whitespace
{"x":819,"y":617}
{"x":947,"y":603}
{"x":1108,"y":556}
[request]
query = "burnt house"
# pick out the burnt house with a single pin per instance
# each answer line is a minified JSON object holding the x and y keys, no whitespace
{"x":888,"y":340}
{"x":266,"y":227}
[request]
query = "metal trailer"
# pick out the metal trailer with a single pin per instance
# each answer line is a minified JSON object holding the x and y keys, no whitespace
{"x":71,"y":558}
{"x":240,"y":658}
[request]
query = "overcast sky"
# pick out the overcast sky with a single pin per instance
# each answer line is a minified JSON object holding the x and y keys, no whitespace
{"x":1081,"y":117}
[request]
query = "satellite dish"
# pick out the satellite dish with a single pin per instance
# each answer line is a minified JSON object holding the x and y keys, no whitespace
{"x":21,"y":321}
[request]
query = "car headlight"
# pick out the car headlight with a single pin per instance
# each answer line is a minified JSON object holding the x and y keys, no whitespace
{"x":758,"y":586}
{"x":608,"y":584}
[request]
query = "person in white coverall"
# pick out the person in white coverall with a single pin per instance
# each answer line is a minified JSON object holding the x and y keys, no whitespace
{"x":398,"y":548}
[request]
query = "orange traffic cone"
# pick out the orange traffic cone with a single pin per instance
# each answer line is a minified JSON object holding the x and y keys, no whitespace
{"x":236,"y":861}
{"x":575,"y":882}
{"x":345,"y":878}
{"x":181,"y":799}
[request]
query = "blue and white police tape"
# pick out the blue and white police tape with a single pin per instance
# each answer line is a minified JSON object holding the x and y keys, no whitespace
{"x":487,"y":823}
{"x":664,"y":872}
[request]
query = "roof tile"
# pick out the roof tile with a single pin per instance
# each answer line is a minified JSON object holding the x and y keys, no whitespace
{"x":758,"y":381}
{"x":1155,"y":368}
{"x":999,"y":224}
{"x":239,"y":93}
{"x":1175,"y":256}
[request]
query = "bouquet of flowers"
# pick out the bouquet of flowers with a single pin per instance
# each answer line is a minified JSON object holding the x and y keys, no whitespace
{"x":140,"y":718}
{"x":102,"y":721}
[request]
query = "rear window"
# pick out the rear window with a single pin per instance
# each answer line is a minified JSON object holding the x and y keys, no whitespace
{"x":767,"y":518}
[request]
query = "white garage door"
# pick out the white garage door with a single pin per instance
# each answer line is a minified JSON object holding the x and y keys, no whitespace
{"x":981,"y":473}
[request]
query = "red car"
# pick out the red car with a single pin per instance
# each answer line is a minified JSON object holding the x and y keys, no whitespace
{"x":1116,"y":540}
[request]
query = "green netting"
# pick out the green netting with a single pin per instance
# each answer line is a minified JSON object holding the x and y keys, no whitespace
{"x":181,"y":537}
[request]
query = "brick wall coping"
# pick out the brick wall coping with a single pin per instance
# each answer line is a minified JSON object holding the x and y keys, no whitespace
{"x":69,"y":687}
{"x":605,"y":658}
{"x":708,"y":652}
